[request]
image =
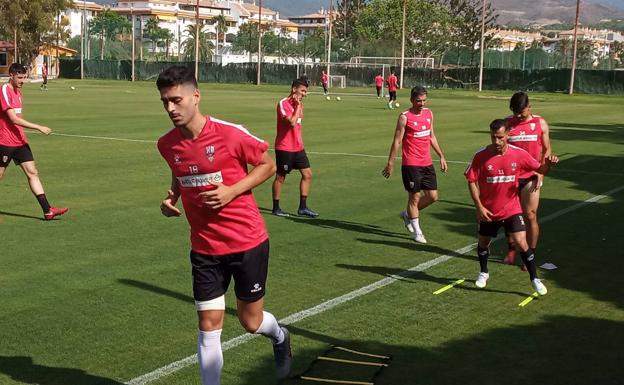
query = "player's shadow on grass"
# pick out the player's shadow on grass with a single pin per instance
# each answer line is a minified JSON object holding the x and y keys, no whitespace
{"x":554,"y":350}
{"x":608,"y":133}
{"x":8,"y":214}
{"x":23,"y":370}
{"x":364,"y":228}
{"x":418,"y":276}
{"x":166,"y":292}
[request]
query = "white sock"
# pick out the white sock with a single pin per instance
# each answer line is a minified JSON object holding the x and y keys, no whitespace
{"x":210,"y":356}
{"x":270,"y":328}
{"x":414,"y":222}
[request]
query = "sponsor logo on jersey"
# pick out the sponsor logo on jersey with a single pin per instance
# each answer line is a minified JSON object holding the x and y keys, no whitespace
{"x":210,"y":152}
{"x":200,"y":180}
{"x":501,"y":179}
{"x":422,"y":134}
{"x":490,"y":167}
{"x":523,"y":137}
{"x":256,"y":288}
{"x":176,"y":159}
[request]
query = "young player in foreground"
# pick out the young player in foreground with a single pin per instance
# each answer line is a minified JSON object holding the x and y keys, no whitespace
{"x":208,"y":160}
{"x":493,"y":184}
{"x":13,"y":142}
{"x":414,"y":133}
{"x":289,"y":150}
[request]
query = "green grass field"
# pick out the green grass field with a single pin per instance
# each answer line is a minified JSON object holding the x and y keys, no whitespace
{"x":103,"y":295}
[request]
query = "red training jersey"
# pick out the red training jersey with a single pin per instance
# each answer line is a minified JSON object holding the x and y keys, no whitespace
{"x":497,"y":178}
{"x":11,"y":135}
{"x":220,"y":154}
{"x":392,"y":83}
{"x":324,"y":78}
{"x":379,"y":80}
{"x":527,"y":135}
{"x":417,"y":138}
{"x":44,"y":71}
{"x":288,"y":137}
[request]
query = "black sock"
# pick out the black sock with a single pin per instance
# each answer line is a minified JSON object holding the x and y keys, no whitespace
{"x":483,"y":255}
{"x":276,"y":204}
{"x":43,"y":202}
{"x":528,"y":257}
{"x":302,"y":202}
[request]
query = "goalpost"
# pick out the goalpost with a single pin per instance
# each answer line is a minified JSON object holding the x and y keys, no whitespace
{"x":395,"y":61}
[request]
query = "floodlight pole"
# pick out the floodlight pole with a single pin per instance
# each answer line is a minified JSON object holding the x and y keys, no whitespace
{"x":403,"y":44}
{"x":576,"y":24}
{"x":82,"y":35}
{"x":133,"y":42}
{"x":259,"y":42}
{"x":15,"y":49}
{"x":481,"y":47}
{"x":197,"y":40}
{"x":329,"y":37}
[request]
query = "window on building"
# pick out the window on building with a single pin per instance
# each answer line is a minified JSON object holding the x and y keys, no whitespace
{"x":4,"y":58}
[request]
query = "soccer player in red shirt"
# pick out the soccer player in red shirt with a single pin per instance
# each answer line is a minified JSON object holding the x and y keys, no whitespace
{"x":289,"y":151}
{"x":414,"y":132}
{"x":493,"y":184}
{"x":529,"y":132}
{"x":208,"y":159}
{"x":392,"y":88}
{"x":379,"y":81}
{"x":13,"y":142}
{"x":324,"y":82}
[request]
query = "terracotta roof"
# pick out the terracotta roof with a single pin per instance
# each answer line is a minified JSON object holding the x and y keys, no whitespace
{"x":255,"y":9}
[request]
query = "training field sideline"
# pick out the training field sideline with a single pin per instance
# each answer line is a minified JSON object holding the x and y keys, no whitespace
{"x":103,"y":295}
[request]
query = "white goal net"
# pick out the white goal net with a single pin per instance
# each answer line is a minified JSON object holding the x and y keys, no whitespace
{"x":414,"y":62}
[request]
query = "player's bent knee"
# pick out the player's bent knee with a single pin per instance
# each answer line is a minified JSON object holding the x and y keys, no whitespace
{"x":251,"y":323}
{"x":213,"y":304}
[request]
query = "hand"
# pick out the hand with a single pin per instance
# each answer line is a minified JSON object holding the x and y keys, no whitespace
{"x":219,"y":197}
{"x":443,"y":165}
{"x":552,"y":159}
{"x":387,"y":171}
{"x":483,"y":214}
{"x":45,"y":130}
{"x":167,"y":207}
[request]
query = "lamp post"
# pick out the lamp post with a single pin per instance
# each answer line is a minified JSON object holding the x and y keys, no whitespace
{"x":403,"y":44}
{"x":481,"y":47}
{"x":576,"y":23}
{"x":133,"y":42}
{"x":197,"y":40}
{"x":259,"y":42}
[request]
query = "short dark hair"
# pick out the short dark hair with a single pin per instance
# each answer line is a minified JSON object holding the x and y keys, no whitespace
{"x":300,"y":82}
{"x":497,"y":124}
{"x":518,"y":102}
{"x":17,"y":68}
{"x":418,"y":91}
{"x":175,"y":76}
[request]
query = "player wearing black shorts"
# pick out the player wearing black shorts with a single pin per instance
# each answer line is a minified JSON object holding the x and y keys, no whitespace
{"x":289,"y":150}
{"x":13,"y":142}
{"x":414,"y":134}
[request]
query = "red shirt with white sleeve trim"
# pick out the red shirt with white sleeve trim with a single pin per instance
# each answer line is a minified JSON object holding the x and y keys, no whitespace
{"x":288,"y":137}
{"x":220,"y":154}
{"x":417,"y":138}
{"x":497,"y":178}
{"x":11,"y":135}
{"x":527,"y":135}
{"x":392,"y":83}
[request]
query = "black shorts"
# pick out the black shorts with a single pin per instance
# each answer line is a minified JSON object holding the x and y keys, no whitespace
{"x":416,"y":178}
{"x":212,"y":274}
{"x":512,"y":224}
{"x":19,"y":155}
{"x":522,"y":182}
{"x":392,"y":95}
{"x":287,"y":161}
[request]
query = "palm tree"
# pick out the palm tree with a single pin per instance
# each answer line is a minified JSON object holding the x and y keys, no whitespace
{"x":221,"y":30}
{"x":205,"y":45}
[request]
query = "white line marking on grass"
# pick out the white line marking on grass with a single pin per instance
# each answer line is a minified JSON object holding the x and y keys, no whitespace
{"x":332,"y":303}
{"x":321,"y":153}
